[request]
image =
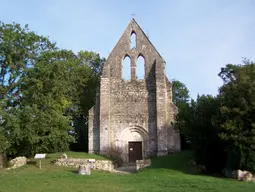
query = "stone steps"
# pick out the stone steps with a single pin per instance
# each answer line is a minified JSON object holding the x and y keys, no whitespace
{"x":126,"y":168}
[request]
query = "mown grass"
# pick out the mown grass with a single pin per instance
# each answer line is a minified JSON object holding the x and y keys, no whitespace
{"x":170,"y":173}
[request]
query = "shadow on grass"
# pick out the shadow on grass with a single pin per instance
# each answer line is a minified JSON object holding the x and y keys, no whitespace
{"x":181,"y":162}
{"x":73,"y":171}
{"x":31,"y":162}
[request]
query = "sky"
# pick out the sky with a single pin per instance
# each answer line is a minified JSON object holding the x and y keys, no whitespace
{"x":195,"y":37}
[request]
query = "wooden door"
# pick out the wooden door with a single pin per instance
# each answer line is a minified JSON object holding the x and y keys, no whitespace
{"x":135,"y":151}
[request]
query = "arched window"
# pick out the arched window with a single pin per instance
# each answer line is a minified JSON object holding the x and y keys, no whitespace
{"x":133,"y":40}
{"x":140,"y":67}
{"x":126,"y":68}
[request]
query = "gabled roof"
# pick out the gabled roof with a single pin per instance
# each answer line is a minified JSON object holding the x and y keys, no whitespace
{"x":134,"y":21}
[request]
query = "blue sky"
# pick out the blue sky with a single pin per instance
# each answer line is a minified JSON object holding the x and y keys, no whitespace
{"x":195,"y":37}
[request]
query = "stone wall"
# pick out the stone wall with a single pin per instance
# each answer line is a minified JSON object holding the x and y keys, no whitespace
{"x":104,"y":165}
{"x":93,"y":132}
{"x":17,"y":162}
{"x":143,"y":163}
{"x":143,"y":105}
{"x":239,"y":175}
{"x":130,"y":103}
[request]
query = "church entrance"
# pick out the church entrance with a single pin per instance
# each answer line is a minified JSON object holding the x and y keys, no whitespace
{"x":135,"y":151}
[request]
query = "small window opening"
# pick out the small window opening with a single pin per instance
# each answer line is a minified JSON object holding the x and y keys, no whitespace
{"x":133,"y":40}
{"x":126,"y":70}
{"x":140,"y":67}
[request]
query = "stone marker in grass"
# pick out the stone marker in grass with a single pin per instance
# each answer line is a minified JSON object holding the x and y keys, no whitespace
{"x":84,"y":170}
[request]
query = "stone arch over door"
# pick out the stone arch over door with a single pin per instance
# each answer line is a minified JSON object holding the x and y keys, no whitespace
{"x":132,"y":134}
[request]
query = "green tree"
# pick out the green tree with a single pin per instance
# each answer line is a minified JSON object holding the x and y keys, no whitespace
{"x":181,"y":100}
{"x":40,"y":122}
{"x":221,"y":129}
{"x":85,"y":82}
{"x":195,"y":122}
{"x":65,"y":84}
{"x":19,"y":49}
{"x":236,"y":118}
{"x":180,"y":93}
{"x":45,"y":93}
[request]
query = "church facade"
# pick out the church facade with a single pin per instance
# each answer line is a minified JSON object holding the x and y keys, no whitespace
{"x":134,"y":117}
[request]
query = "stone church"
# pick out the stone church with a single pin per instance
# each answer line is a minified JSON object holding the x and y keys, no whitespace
{"x":134,"y":116}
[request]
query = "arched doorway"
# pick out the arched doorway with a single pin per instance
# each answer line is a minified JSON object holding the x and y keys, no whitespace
{"x":133,"y":141}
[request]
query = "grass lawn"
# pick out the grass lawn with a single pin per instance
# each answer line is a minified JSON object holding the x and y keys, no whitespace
{"x":170,"y":173}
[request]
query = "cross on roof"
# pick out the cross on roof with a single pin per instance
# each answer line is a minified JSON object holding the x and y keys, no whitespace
{"x":133,"y":15}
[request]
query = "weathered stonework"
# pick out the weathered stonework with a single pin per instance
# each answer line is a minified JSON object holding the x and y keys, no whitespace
{"x":84,"y":170}
{"x":140,"y":164}
{"x":104,"y":165}
{"x":239,"y":175}
{"x":17,"y":162}
{"x":136,"y":109}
